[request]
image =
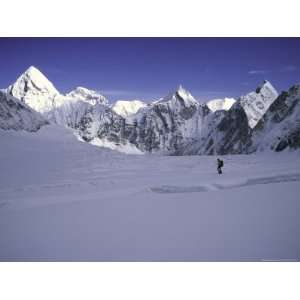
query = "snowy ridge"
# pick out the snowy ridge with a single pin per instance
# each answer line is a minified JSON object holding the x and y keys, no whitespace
{"x":180,"y":96}
{"x":86,"y":95}
{"x":18,"y":116}
{"x":256,"y":103}
{"x":279,"y":128}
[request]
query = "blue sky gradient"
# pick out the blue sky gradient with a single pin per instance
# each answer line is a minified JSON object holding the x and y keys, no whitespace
{"x":148,"y":68}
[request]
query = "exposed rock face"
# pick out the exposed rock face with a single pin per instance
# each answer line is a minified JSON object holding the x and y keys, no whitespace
{"x":280,"y":126}
{"x":256,"y":103}
{"x":16,"y":115}
{"x":165,"y":125}
{"x":169,"y":123}
{"x":226,"y":132}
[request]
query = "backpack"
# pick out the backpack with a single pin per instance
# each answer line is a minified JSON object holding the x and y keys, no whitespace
{"x":221,"y":163}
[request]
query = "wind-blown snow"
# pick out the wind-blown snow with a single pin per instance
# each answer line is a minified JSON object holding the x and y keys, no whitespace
{"x":61,"y":200}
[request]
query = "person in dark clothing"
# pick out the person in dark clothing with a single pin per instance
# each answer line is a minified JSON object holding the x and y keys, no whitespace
{"x":220,"y":164}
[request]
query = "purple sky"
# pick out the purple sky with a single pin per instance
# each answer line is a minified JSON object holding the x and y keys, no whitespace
{"x":148,"y":68}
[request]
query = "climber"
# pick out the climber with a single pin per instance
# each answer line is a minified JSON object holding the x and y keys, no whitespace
{"x":220,"y":165}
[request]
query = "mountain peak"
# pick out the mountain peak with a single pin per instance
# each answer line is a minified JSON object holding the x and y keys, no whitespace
{"x":180,"y":94}
{"x":265,"y":85}
{"x":32,"y":70}
{"x":255,"y":104}
{"x":180,"y":88}
{"x":86,"y":95}
{"x":32,"y":80}
{"x":33,"y":88}
{"x":127,"y":108}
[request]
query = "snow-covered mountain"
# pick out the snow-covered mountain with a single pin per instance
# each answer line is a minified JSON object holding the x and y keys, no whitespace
{"x":220,"y":104}
{"x":230,"y":131}
{"x":127,"y":108}
{"x":16,"y":115}
{"x":280,"y":126}
{"x":224,"y":132}
{"x":161,"y":126}
{"x":256,"y":103}
{"x":175,"y":124}
{"x":34,"y":89}
{"x":90,"y":96}
{"x":169,"y":123}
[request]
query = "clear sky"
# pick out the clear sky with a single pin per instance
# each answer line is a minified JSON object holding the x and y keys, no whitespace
{"x":148,"y":68}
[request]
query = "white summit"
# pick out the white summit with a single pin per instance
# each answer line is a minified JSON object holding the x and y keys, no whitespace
{"x":87,"y":95}
{"x":35,"y":90}
{"x":126,"y":108}
{"x":220,"y":104}
{"x":179,"y":96}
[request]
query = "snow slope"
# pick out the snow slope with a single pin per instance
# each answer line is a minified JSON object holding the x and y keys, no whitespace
{"x":70,"y":201}
{"x":220,"y":104}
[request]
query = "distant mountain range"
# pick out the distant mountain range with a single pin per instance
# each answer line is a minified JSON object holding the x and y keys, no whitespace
{"x":176,"y":124}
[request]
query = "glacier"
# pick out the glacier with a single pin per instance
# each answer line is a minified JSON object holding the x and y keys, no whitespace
{"x":62,"y":200}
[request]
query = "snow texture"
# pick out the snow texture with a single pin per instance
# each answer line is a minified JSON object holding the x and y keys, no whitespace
{"x":62,"y":200}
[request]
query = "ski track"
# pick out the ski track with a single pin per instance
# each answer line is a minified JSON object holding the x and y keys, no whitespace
{"x":167,"y":189}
